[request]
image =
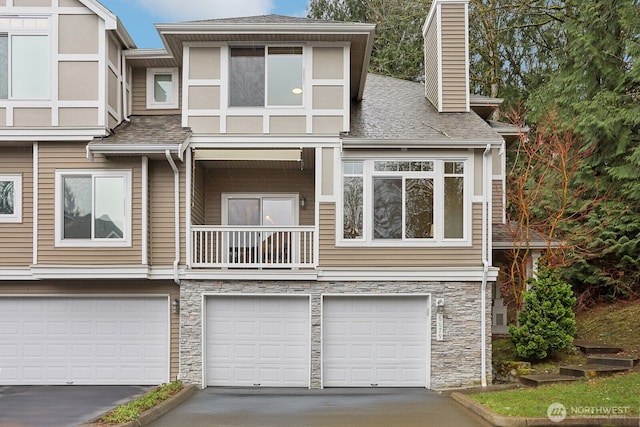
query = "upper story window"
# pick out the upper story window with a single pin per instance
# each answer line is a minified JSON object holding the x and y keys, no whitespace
{"x":418,"y":200}
{"x":10,"y":198}
{"x":24,"y":58}
{"x":93,"y":208}
{"x":162,"y":88}
{"x":265,"y":76}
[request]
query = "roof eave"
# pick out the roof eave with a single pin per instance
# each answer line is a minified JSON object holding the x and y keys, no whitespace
{"x":367,"y":143}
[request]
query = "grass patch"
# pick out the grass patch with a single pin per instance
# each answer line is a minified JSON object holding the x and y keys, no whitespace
{"x":610,"y":324}
{"x":620,"y":391}
{"x":131,"y":411}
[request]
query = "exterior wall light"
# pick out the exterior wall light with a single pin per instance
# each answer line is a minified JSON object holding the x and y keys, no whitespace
{"x":175,"y":306}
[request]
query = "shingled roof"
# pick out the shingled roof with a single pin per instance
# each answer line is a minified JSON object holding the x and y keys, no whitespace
{"x":397,"y":110}
{"x":144,"y":134}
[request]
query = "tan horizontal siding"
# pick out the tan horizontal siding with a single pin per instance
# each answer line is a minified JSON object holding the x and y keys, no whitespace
{"x":16,"y":239}
{"x":199,"y":199}
{"x":103,"y":287}
{"x":72,"y":156}
{"x":139,"y":95}
{"x":497,"y":202}
{"x":431,"y":63}
{"x":161,"y":209}
{"x":454,"y":84}
{"x":258,"y":181}
{"x":332,"y":256}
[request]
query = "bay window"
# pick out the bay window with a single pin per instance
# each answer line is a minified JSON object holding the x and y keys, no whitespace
{"x":93,"y":208}
{"x":404,"y":201}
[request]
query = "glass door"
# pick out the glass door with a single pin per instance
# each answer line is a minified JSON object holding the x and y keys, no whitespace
{"x":259,"y":245}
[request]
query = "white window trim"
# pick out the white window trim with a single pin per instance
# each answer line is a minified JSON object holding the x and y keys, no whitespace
{"x":16,"y":216}
{"x":25,"y":27}
{"x":59,"y":210}
{"x":438,"y":175}
{"x":151,"y":102}
{"x":227,"y":196}
{"x":266,"y":105}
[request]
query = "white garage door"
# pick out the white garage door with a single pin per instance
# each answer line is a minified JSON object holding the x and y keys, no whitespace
{"x":375,"y":341}
{"x":82,"y":341}
{"x":257,"y":341}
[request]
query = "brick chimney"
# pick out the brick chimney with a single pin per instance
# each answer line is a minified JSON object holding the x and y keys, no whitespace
{"x":446,"y":55}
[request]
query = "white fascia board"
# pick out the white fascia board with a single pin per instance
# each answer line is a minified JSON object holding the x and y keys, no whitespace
{"x":147,"y":54}
{"x":218,"y":141}
{"x":33,"y":135}
{"x":451,"y":274}
{"x":418,"y":143}
{"x":89,"y":272}
{"x":279,"y":275}
{"x":265,"y":28}
{"x":16,"y":274}
{"x":132,"y":148}
{"x":110,"y":20}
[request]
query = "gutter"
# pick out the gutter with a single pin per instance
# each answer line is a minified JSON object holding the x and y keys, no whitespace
{"x":176,"y":203}
{"x":485,"y":264}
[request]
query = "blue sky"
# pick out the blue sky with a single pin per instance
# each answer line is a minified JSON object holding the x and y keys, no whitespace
{"x":139,"y":16}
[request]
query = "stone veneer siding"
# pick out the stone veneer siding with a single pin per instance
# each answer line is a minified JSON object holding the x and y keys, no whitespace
{"x":455,"y":361}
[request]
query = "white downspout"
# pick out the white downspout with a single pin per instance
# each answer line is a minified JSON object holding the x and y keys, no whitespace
{"x":485,"y":263}
{"x":176,"y":203}
{"x":145,"y":211}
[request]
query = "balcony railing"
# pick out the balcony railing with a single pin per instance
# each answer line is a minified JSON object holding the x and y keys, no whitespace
{"x":252,"y":247}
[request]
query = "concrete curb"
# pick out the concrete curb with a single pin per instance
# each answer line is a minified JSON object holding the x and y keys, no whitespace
{"x":502,"y":421}
{"x":154,"y":413}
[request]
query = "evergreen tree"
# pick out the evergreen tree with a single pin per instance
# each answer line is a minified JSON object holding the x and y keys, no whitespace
{"x":547,"y":324}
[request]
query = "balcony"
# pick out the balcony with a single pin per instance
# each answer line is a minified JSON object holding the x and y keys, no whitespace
{"x":253,"y":247}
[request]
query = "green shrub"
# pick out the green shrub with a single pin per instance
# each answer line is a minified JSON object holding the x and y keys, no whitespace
{"x":547,"y":323}
{"x":131,"y":411}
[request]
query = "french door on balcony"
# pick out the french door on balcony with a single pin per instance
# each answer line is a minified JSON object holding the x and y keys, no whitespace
{"x":258,"y":217}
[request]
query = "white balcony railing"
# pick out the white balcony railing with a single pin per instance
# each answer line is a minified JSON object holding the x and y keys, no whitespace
{"x":252,"y":247}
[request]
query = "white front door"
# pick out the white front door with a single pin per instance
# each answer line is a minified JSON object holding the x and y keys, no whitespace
{"x":375,"y":341}
{"x":84,"y":340}
{"x":257,"y":341}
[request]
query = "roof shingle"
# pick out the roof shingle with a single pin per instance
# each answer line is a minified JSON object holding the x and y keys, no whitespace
{"x":394,"y":109}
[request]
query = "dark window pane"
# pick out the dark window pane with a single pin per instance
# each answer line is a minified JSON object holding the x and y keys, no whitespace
{"x":352,"y":220}
{"x":387,"y":208}
{"x":6,"y":197}
{"x":77,"y":207}
{"x":244,"y":212}
{"x":419,"y":208}
{"x":246,"y":77}
{"x":453,"y":207}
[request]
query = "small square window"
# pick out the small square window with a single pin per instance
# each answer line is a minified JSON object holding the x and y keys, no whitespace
{"x":162,"y":88}
{"x":10,"y":198}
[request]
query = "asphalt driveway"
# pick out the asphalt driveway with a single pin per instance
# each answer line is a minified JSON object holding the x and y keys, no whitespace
{"x":60,"y":406}
{"x":226,"y":407}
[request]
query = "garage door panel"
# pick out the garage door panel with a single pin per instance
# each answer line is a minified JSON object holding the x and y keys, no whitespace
{"x":257,"y":340}
{"x":84,"y":340}
{"x":375,"y":341}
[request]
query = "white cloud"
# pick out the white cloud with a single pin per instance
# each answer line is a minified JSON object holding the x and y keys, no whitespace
{"x":193,"y":10}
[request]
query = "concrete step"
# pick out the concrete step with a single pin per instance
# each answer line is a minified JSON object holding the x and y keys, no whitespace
{"x":613,"y":360}
{"x":593,"y":348}
{"x":591,"y":370}
{"x":544,"y":379}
